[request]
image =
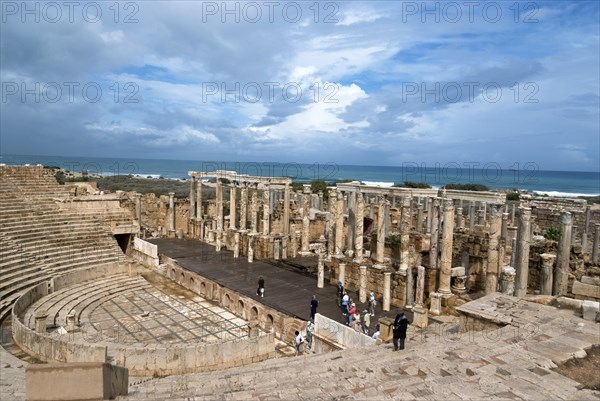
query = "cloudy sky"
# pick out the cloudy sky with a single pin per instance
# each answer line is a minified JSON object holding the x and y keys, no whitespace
{"x":366,"y":83}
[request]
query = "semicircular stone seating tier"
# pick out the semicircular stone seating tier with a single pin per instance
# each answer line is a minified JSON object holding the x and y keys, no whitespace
{"x":39,"y":240}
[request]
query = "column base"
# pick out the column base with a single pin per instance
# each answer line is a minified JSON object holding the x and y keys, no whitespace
{"x":305,"y":253}
{"x":420,"y":317}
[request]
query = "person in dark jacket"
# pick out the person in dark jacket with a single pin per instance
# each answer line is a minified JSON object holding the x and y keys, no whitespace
{"x":340,"y":293}
{"x":313,"y":307}
{"x":400,"y":327}
{"x":261,"y":287}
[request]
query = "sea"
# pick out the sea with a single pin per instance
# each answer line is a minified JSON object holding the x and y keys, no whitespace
{"x":527,"y":177}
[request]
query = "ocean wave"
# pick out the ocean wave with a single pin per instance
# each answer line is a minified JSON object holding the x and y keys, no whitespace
{"x":559,"y":194}
{"x":379,"y":183}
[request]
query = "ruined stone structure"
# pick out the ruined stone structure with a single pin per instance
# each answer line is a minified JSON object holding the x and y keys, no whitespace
{"x":76,"y":267}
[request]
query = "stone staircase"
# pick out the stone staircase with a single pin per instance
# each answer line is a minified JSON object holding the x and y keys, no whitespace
{"x":440,"y":362}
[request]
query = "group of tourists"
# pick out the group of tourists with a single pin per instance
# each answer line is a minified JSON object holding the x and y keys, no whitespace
{"x":360,"y":322}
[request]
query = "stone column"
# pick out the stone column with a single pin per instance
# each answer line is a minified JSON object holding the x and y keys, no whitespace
{"x":561,"y":272}
{"x":481,"y":218}
{"x":286,"y":209}
{"x":380,"y":230}
{"x":219,"y":202}
{"x":339,"y":226}
{"x":504,"y":228}
{"x":251,"y":248}
{"x":471,"y":215}
{"x":435,"y":233}
{"x":266,"y":210}
{"x":321,"y":269}
{"x":284,"y":247}
{"x":405,"y":223}
{"x":359,"y":229}
{"x":236,"y":245}
{"x":409,"y":288}
{"x":351,"y":223}
{"x":522,"y":256}
{"x":254,"y":207}
{"x":419,"y":312}
{"x":320,"y":194}
{"x":232,"y":207}
{"x":460,"y":219}
{"x":387,"y":290}
{"x":362,"y":288}
{"x":546,"y":276}
{"x":243,"y":205}
{"x":491,"y":277}
{"x":596,"y":245}
{"x":584,"y":236}
{"x":513,"y":252}
{"x":199,"y":211}
{"x":446,"y":249}
{"x":484,"y":208}
{"x":171,"y":211}
{"x":419,"y":216}
{"x":138,"y":208}
{"x":305,"y":218}
{"x":192,"y":198}
{"x":330,"y":227}
{"x":428,"y":206}
{"x":342,"y":273}
{"x":386,"y":218}
{"x":512,"y":217}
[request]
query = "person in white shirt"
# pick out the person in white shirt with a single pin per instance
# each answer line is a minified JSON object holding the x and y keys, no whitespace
{"x":299,"y":343}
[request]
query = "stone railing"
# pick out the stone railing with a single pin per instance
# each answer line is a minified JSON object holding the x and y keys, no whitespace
{"x":145,"y":252}
{"x":340,"y":335}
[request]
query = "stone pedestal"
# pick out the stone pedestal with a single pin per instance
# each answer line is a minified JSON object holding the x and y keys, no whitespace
{"x":546,"y":276}
{"x":40,"y":321}
{"x":420,"y":317}
{"x":436,"y":303}
{"x":362,"y":291}
{"x":71,"y":322}
{"x":507,"y":282}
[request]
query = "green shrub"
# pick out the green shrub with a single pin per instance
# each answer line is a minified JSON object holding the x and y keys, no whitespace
{"x":552,"y":233}
{"x":392,"y":239}
{"x":410,"y":184}
{"x":512,"y":196}
{"x":467,"y":187}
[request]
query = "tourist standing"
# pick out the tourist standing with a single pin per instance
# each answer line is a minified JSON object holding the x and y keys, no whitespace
{"x":340,"y":293}
{"x":400,"y":327}
{"x":345,"y":300}
{"x":261,"y":286}
{"x":299,"y":343}
{"x":366,"y":321}
{"x":313,"y":307}
{"x":372,"y":303}
{"x":310,"y":329}
{"x":377,"y":333}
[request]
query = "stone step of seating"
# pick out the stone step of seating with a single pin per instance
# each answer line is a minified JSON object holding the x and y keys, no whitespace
{"x":7,"y":300}
{"x":65,"y":300}
{"x":94,"y":298}
{"x":85,"y":310}
{"x":18,"y":273}
{"x":62,"y":267}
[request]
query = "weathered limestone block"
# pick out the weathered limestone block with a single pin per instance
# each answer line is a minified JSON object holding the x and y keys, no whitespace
{"x":586,"y":290}
{"x":590,"y":309}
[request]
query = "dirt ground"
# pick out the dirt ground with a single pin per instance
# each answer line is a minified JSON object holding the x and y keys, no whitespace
{"x":585,"y":370}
